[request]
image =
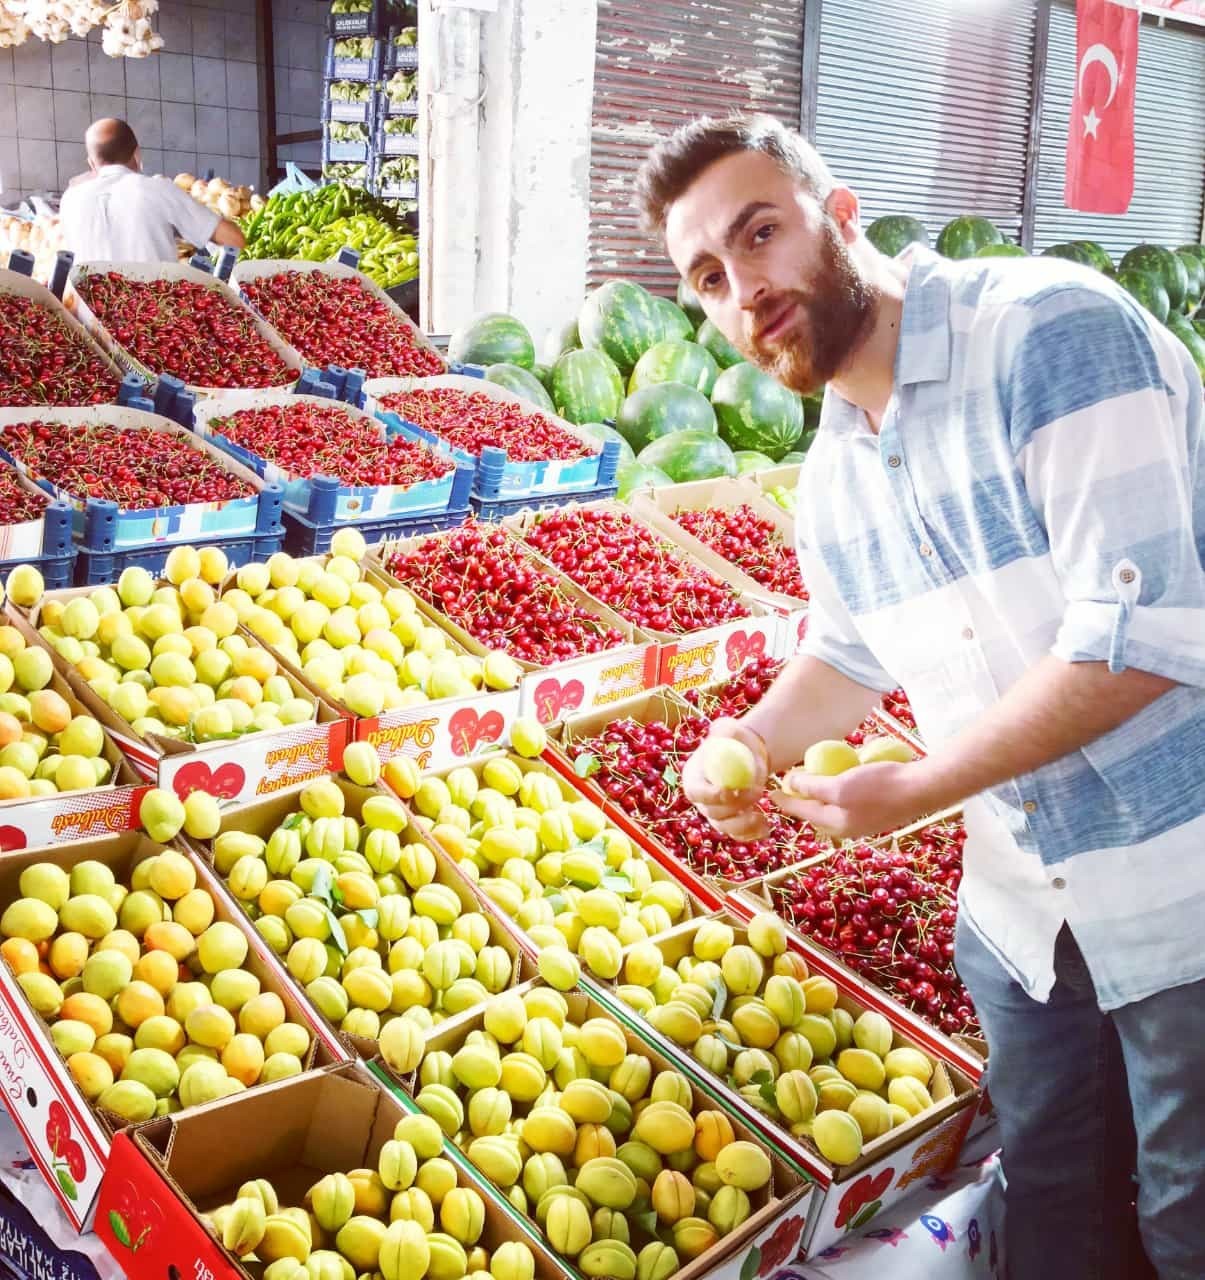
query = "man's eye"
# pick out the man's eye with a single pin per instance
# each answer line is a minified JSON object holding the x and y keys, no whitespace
{"x":762,"y":234}
{"x":710,"y":281}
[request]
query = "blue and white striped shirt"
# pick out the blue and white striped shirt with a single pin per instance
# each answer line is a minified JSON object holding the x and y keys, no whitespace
{"x":1038,"y":486}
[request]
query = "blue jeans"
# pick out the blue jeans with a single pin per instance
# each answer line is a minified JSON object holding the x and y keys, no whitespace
{"x":1084,"y":1098}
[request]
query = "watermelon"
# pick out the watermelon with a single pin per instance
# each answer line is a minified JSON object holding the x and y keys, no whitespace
{"x":675,"y":323}
{"x":688,"y":300}
{"x":1006,"y":249}
{"x":1158,"y":261}
{"x":558,"y":341}
{"x":965,"y":236}
{"x":893,"y":234}
{"x":521,"y":382}
{"x":636,"y":476}
{"x":755,"y":412}
{"x":621,"y":319}
{"x":1199,"y":326}
{"x":1100,"y":259}
{"x":724,"y":353}
{"x":791,"y":459}
{"x":689,"y":455}
{"x":655,"y":411}
{"x":1194,"y":268}
{"x":1184,"y":330}
{"x":749,"y":460}
{"x":812,"y":406}
{"x":493,"y":338}
{"x":544,"y":373}
{"x":602,"y":433}
{"x":586,"y":386}
{"x":1148,"y":288}
{"x":675,"y":361}
{"x":1070,"y":252}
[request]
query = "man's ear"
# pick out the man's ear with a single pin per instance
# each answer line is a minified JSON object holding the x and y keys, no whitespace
{"x":842,"y":206}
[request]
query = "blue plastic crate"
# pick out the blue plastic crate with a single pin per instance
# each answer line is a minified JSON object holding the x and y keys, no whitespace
{"x":348,"y":112}
{"x":395,"y":144}
{"x":357,"y":24}
{"x":304,"y":538}
{"x":98,"y":568}
{"x":494,"y":510}
{"x":352,"y":68}
{"x":343,"y":152}
{"x":398,"y":57}
{"x":56,"y":571}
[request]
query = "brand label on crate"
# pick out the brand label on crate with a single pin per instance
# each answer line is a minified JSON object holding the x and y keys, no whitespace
{"x":63,"y":1137}
{"x":259,"y":764}
{"x":68,"y":816}
{"x":594,"y":682}
{"x":792,"y":628}
{"x":717,"y":652}
{"x":439,"y":734}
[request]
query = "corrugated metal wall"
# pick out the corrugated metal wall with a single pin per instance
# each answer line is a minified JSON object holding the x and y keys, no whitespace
{"x":1169,"y":142}
{"x":924,"y":109}
{"x":660,"y":64}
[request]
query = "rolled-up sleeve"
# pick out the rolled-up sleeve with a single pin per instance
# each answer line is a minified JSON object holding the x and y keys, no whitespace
{"x":1106,"y":413}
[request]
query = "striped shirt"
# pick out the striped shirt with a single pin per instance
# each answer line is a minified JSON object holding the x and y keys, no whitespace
{"x":1037,"y":487}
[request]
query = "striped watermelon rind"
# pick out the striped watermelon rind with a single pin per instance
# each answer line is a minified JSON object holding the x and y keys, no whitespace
{"x":749,"y":460}
{"x":756,"y":412}
{"x":622,"y":320}
{"x":1157,"y":259}
{"x":521,"y":382}
{"x":895,"y":232}
{"x":602,"y":433}
{"x":586,"y":386}
{"x":722,"y":351}
{"x":636,"y":476}
{"x":964,"y":237}
{"x":493,"y":338}
{"x":673,"y":360}
{"x":656,"y":411}
{"x":688,"y":300}
{"x":1147,"y":288}
{"x":689,"y":455}
{"x":675,"y":323}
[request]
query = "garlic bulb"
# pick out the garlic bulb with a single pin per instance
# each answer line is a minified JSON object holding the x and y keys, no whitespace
{"x":127,"y":27}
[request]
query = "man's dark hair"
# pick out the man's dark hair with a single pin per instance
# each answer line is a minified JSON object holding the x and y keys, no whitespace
{"x":677,"y":161}
{"x":116,"y":145}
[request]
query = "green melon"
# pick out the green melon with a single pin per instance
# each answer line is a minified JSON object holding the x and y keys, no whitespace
{"x":965,"y":236}
{"x":493,"y":338}
{"x":1100,"y":259}
{"x":586,"y":386}
{"x":749,"y":461}
{"x":722,"y":351}
{"x":1003,"y":250}
{"x":756,"y":412}
{"x":1148,"y":288}
{"x":1194,"y":269}
{"x":636,"y":476}
{"x":688,"y":300}
{"x":602,"y":433}
{"x":621,"y":319}
{"x":655,"y":411}
{"x":675,"y":361}
{"x":675,"y":323}
{"x":792,"y":459}
{"x":521,"y":382}
{"x":558,"y":341}
{"x":1192,"y":339}
{"x":1155,"y":259}
{"x":689,"y":455}
{"x":1070,"y":252}
{"x":544,"y":373}
{"x":894,"y":233}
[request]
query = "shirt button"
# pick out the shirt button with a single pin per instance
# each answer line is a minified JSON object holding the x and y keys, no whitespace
{"x":925,"y":549}
{"x":1126,"y":575}
{"x":1030,"y":806}
{"x":968,"y":633}
{"x":1058,"y":883}
{"x":894,"y":460}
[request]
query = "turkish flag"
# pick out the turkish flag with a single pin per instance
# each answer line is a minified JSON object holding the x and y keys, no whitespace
{"x":1100,"y":137}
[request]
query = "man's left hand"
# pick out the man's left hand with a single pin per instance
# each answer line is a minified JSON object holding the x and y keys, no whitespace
{"x":869,"y":800}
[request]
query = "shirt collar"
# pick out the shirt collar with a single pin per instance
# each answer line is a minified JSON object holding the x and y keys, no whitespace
{"x":923,"y":353}
{"x":114,"y":170}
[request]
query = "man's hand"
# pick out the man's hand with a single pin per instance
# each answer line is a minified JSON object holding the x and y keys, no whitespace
{"x":866,"y":801}
{"x":735,"y":813}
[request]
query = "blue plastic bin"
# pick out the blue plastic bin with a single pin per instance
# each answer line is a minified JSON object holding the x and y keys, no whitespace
{"x":357,"y":24}
{"x":304,"y":538}
{"x":485,"y":509}
{"x":98,"y":568}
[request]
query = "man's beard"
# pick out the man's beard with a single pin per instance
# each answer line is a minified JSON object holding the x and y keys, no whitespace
{"x":836,"y":314}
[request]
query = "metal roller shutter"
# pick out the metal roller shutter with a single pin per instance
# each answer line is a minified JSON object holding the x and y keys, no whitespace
{"x":924,"y":109}
{"x":661,"y":63}
{"x":1169,"y":142}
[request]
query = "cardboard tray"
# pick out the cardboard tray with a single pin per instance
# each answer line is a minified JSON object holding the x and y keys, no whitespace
{"x":95,"y":521}
{"x":167,"y":1173}
{"x":351,"y":502}
{"x":927,"y":1145}
{"x":260,"y":268}
{"x":548,"y":692}
{"x":20,"y":543}
{"x":24,"y":287}
{"x":36,"y":1076}
{"x":517,"y":479}
{"x":240,"y":769}
{"x":167,"y":271}
{"x":264,"y":816}
{"x":697,"y":657}
{"x":788,"y":1196}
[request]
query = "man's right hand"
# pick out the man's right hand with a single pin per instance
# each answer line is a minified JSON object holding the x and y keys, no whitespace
{"x":735,"y":813}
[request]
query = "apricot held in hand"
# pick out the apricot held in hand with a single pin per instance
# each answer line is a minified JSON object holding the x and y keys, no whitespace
{"x":728,"y":764}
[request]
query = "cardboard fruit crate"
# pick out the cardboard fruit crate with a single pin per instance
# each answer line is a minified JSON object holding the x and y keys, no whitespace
{"x":166,"y":1174}
{"x":42,"y":1097}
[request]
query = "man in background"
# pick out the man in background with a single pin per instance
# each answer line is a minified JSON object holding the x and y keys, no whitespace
{"x":116,"y":213}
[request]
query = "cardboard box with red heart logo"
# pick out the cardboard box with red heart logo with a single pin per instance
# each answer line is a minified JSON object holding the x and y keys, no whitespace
{"x":68,"y":1138}
{"x":254,"y":764}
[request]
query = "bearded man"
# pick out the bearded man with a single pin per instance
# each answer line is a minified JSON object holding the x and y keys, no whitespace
{"x":1004,"y":512}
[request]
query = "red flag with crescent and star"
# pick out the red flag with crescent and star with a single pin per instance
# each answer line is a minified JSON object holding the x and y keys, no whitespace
{"x":1100,"y":138}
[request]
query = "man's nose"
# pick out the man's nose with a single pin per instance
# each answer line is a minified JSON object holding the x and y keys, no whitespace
{"x":748,"y":287}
